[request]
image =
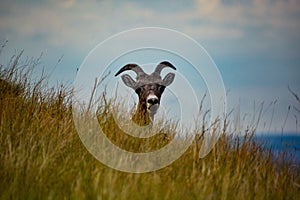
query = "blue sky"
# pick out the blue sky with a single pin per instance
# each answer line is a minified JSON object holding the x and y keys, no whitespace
{"x":255,"y":44}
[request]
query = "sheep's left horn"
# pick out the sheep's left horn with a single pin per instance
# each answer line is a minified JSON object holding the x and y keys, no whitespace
{"x":162,"y":65}
{"x":134,"y":67}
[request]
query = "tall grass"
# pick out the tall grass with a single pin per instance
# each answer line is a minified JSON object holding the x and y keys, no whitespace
{"x":42,"y":157}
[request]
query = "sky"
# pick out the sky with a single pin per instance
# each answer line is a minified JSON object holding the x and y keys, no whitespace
{"x":255,"y":44}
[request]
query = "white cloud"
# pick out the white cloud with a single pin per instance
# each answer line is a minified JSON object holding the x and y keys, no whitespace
{"x":65,"y":3}
{"x":60,"y":24}
{"x":81,"y":24}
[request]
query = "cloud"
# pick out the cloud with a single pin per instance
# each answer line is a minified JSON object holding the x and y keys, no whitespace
{"x":254,"y":30}
{"x":273,"y":18}
{"x":65,"y":3}
{"x":81,"y":24}
{"x":59,"y":24}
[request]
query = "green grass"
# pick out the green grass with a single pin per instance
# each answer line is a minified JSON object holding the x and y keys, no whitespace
{"x":42,"y":157}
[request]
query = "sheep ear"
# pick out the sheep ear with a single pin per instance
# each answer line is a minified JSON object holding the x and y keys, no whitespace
{"x":169,"y":78}
{"x":128,"y":81}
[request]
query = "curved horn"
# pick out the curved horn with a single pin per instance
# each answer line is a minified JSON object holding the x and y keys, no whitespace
{"x":134,"y":67}
{"x":162,"y":65}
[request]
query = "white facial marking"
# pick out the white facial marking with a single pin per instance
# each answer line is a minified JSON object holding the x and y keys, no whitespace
{"x":152,"y":108}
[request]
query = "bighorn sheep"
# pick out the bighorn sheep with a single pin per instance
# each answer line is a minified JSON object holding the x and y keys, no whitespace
{"x":149,"y":89}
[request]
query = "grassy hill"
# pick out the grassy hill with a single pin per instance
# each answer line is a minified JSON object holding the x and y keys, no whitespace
{"x":42,"y":157}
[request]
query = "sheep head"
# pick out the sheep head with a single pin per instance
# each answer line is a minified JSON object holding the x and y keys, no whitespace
{"x":149,"y":87}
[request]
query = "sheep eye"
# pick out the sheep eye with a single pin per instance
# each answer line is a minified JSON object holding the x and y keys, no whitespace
{"x":139,"y":90}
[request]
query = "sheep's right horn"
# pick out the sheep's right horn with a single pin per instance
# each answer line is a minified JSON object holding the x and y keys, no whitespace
{"x":134,"y":67}
{"x":162,"y":65}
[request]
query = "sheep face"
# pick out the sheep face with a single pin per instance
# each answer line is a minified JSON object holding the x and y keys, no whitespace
{"x":149,"y":88}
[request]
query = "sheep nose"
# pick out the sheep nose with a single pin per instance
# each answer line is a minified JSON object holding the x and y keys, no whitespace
{"x":153,"y":100}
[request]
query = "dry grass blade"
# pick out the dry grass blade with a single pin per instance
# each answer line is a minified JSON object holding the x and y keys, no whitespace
{"x":42,"y":156}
